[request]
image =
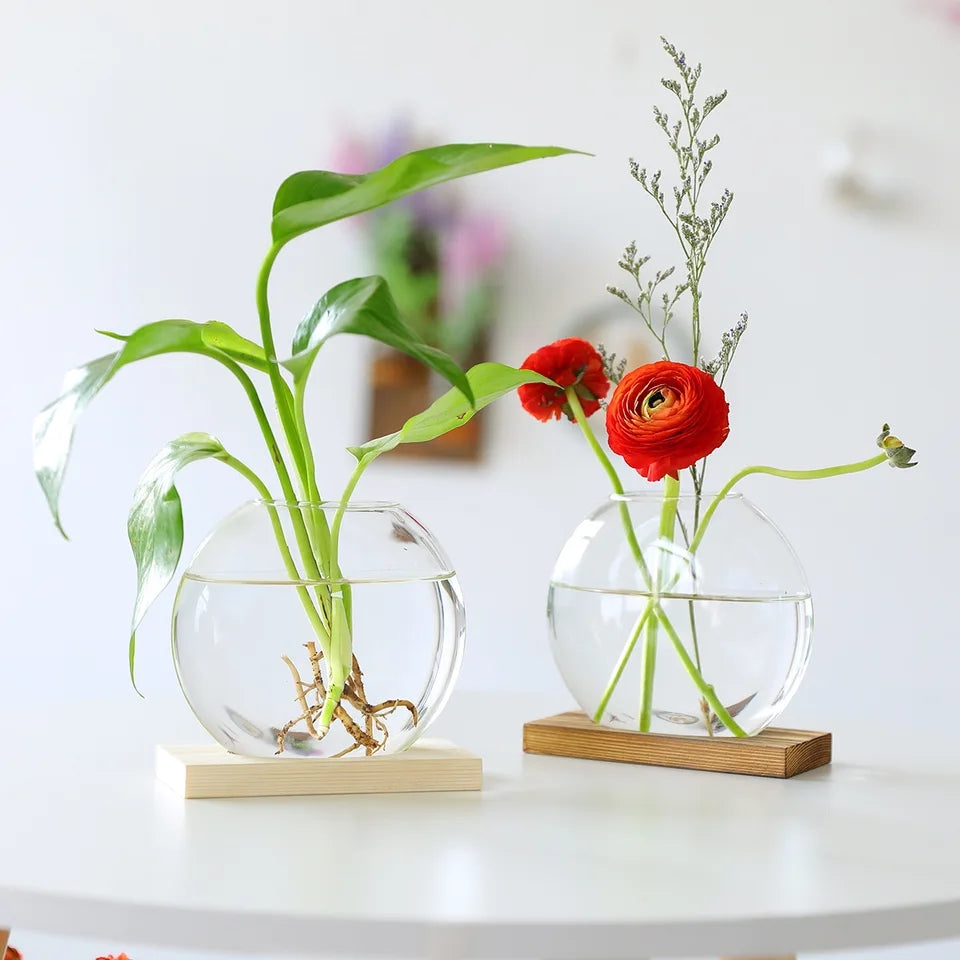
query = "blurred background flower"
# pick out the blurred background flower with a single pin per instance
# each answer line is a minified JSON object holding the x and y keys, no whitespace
{"x":441,"y":259}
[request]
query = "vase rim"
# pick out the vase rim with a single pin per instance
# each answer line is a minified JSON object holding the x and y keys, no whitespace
{"x":352,"y":505}
{"x":659,"y":496}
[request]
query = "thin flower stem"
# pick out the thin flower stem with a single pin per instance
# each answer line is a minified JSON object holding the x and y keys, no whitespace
{"x":622,"y":662}
{"x":608,"y":467}
{"x":710,"y":695}
{"x":668,"y":516}
{"x":857,"y":467}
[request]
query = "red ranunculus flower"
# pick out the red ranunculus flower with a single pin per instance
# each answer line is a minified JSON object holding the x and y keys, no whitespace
{"x":663,"y":417}
{"x":122,"y":956}
{"x":566,"y":362}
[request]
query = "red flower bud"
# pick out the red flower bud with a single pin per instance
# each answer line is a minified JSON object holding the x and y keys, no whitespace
{"x":566,"y":362}
{"x":663,"y":417}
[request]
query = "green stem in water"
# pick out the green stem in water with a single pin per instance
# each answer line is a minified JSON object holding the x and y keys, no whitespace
{"x":705,"y":688}
{"x":622,"y":662}
{"x":821,"y":474}
{"x":668,"y":517}
{"x":341,"y":641}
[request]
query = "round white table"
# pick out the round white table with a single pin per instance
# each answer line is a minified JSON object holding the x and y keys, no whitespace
{"x":555,"y":860}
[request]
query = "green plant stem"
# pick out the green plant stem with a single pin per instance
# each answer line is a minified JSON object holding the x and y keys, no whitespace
{"x":296,"y":440}
{"x":299,"y":528}
{"x":821,"y":474}
{"x":341,"y":643}
{"x":611,"y":472}
{"x":316,"y":621}
{"x":668,"y":517}
{"x":710,"y":695}
{"x":317,"y":519}
{"x":622,"y":662}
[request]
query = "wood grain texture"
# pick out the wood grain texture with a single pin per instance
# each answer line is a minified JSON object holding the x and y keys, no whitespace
{"x":210,"y":771}
{"x":772,"y":753}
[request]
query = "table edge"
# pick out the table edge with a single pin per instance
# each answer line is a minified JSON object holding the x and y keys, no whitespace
{"x":275,"y":933}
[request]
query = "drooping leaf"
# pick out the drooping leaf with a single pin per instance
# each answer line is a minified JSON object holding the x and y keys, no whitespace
{"x":54,"y":426}
{"x":489,"y":382}
{"x":155,"y":524}
{"x":313,"y":198}
{"x":365,"y":306}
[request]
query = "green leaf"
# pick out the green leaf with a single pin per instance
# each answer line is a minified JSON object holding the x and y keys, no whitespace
{"x":54,"y":426}
{"x":365,"y":306}
{"x":221,"y":336}
{"x":155,"y":524}
{"x":489,"y":382}
{"x":315,"y":197}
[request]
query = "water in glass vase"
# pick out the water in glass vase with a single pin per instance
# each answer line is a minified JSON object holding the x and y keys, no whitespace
{"x":752,"y":649}
{"x":231,"y":638}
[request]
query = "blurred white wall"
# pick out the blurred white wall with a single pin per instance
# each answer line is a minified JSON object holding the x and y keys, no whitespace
{"x":142,"y":144}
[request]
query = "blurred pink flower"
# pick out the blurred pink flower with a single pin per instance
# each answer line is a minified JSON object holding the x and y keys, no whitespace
{"x":473,"y":246}
{"x":948,"y":9}
{"x":352,"y":156}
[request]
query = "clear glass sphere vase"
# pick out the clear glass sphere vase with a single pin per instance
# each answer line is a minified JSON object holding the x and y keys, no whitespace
{"x":249,"y":629}
{"x":662,"y":622}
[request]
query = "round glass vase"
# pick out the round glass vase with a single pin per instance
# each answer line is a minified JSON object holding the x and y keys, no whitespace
{"x":248,"y":629}
{"x":709,"y":642}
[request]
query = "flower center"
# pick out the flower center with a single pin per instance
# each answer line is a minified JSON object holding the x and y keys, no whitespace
{"x":657,"y":402}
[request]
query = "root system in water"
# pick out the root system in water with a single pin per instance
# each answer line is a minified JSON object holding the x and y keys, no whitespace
{"x":367,"y":730}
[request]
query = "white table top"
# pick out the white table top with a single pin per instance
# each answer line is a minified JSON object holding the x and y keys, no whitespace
{"x":557,"y":859}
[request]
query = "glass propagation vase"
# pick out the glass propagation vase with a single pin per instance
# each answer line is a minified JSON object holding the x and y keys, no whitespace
{"x":248,"y":655}
{"x":735,"y":616}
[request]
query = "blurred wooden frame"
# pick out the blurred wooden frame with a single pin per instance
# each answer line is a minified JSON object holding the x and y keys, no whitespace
{"x":4,"y":940}
{"x":401,"y":387}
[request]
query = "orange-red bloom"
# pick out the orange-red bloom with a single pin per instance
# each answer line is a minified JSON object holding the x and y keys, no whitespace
{"x":663,"y":417}
{"x":122,"y":956}
{"x":12,"y":953}
{"x":568,"y":362}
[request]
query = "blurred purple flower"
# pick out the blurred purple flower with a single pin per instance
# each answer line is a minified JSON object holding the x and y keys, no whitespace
{"x":430,"y":209}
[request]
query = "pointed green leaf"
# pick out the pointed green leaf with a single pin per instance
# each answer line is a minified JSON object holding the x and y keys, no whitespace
{"x":315,"y":197}
{"x":54,"y":426}
{"x":221,"y":336}
{"x":489,"y":382}
{"x":365,"y":306}
{"x":155,"y":524}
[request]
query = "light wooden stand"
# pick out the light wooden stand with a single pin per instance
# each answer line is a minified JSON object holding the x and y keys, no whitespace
{"x":210,"y":771}
{"x":772,"y":753}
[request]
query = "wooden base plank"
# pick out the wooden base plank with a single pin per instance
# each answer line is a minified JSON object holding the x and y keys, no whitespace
{"x":772,"y":753}
{"x":210,"y":771}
